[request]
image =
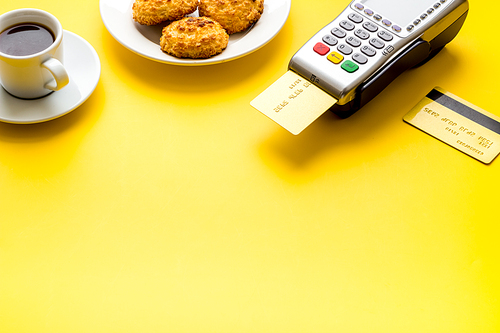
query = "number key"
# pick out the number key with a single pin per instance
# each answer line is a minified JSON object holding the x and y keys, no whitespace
{"x":377,"y":43}
{"x":368,"y":51}
{"x":353,"y":41}
{"x":344,"y":49}
{"x":338,"y":33}
{"x":370,"y":26}
{"x":385,"y":35}
{"x":347,"y":25}
{"x":355,"y":18}
{"x":362,"y":34}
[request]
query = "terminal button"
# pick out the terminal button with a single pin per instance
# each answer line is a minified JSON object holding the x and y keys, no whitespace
{"x":335,"y":57}
{"x":353,"y":41}
{"x":330,"y":40}
{"x":355,"y":18}
{"x":359,"y":58}
{"x":368,"y":51}
{"x":349,"y":66}
{"x":347,"y":25}
{"x":338,"y":33}
{"x":377,"y":43}
{"x":362,"y":34}
{"x":321,"y":48}
{"x":370,"y":26}
{"x":344,"y":49}
{"x":385,"y":35}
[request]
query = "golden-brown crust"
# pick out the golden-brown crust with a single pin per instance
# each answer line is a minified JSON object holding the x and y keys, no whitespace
{"x":151,"y":12}
{"x":233,"y":15}
{"x":194,"y":37}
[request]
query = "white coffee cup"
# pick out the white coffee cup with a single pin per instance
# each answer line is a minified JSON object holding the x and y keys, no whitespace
{"x":34,"y":75}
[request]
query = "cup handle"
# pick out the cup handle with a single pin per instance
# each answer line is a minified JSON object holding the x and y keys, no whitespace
{"x":61,"y":78}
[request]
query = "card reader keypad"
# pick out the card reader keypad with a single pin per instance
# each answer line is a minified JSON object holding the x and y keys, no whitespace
{"x":353,"y":38}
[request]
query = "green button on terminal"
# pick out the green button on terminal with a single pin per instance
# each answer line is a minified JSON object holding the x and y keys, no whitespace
{"x":349,"y":66}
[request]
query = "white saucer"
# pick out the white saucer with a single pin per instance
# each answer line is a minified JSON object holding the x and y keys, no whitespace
{"x":145,"y":40}
{"x":84,"y":69}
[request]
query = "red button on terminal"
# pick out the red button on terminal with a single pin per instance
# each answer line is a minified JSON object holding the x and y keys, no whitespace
{"x":321,"y":48}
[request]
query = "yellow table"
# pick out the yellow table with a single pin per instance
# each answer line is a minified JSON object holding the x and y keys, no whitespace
{"x":166,"y":203}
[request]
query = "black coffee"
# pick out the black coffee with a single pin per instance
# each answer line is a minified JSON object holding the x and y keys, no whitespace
{"x":25,"y":39}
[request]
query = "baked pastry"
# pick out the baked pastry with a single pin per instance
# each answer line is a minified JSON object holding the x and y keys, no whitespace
{"x":194,"y":37}
{"x":233,"y":15}
{"x":151,"y":12}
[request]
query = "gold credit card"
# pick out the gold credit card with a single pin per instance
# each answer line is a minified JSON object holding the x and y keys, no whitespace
{"x":293,"y":102}
{"x":458,"y":123}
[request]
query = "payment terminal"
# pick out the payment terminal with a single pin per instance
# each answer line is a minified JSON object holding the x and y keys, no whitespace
{"x":358,"y":54}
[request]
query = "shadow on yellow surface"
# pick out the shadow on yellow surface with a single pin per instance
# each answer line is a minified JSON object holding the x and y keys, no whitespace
{"x":353,"y":138}
{"x":159,"y":80}
{"x":40,"y":150}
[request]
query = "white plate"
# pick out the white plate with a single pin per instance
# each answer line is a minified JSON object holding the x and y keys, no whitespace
{"x":145,"y":40}
{"x":84,"y":69}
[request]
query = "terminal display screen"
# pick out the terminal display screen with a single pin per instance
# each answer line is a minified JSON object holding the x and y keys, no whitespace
{"x":402,"y":12}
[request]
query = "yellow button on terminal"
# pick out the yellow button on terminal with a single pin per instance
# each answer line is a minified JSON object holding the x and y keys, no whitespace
{"x":335,"y":57}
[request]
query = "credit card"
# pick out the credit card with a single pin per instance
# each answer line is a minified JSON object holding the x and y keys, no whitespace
{"x":458,"y":123}
{"x":293,"y":102}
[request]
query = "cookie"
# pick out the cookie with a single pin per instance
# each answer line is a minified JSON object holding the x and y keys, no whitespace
{"x":152,"y":12}
{"x":233,"y":15}
{"x":194,"y":37}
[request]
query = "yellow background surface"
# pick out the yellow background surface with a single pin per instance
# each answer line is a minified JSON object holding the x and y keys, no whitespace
{"x":166,"y":203}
